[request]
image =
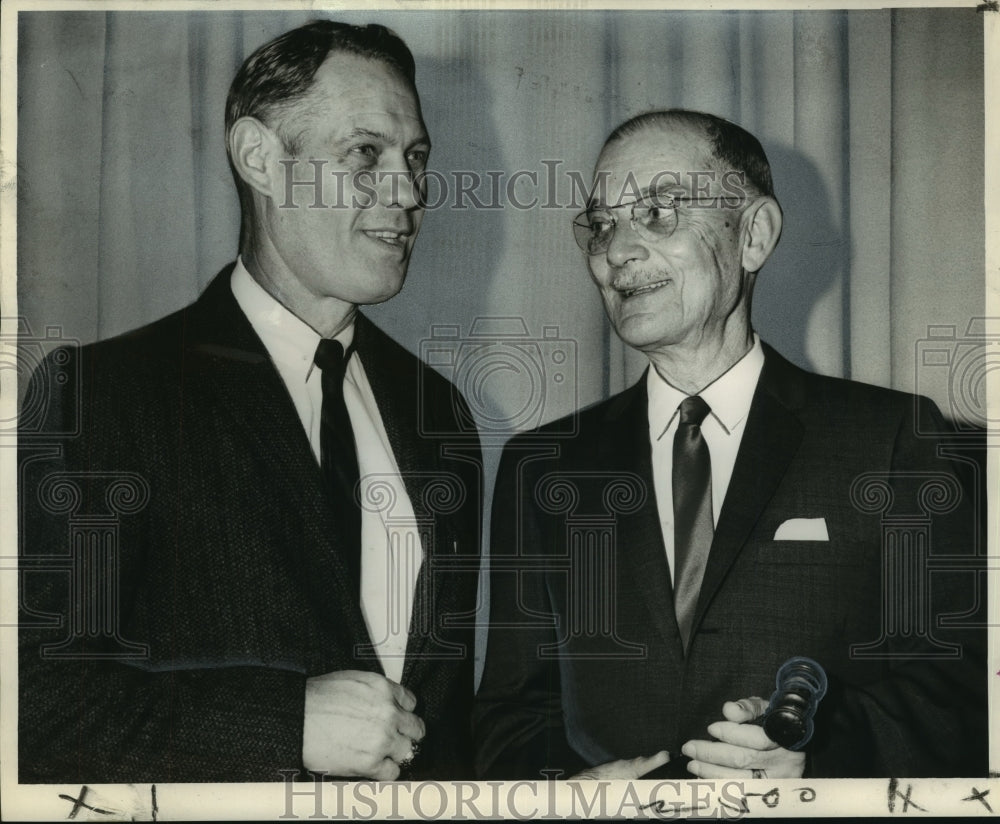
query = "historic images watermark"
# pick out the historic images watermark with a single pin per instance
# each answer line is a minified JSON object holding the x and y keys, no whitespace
{"x":520,"y":800}
{"x":314,"y":184}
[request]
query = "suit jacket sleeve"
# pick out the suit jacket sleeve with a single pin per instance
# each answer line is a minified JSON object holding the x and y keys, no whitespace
{"x":88,"y":713}
{"x":927,"y":716}
{"x":518,"y":719}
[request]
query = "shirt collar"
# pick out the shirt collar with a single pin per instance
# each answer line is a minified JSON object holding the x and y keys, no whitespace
{"x":729,"y":396}
{"x":289,"y":340}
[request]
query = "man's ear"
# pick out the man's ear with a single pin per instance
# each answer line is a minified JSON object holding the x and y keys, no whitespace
{"x":763,"y":231}
{"x":254,"y":148}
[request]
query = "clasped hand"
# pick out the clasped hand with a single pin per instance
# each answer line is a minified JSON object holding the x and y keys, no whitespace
{"x":359,"y":724}
{"x":742,"y":749}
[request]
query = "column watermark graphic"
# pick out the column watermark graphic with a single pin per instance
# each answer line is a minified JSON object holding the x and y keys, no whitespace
{"x":94,"y":504}
{"x":591,"y":565}
{"x":409,"y":567}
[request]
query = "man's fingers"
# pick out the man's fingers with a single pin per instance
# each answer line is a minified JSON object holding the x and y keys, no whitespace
{"x":648,"y":763}
{"x":741,"y":735}
{"x":386,"y":688}
{"x":746,"y":709}
{"x":702,"y":769}
{"x":401,"y":749}
{"x":410,"y":726}
{"x":715,"y":760}
{"x":377,"y":683}
{"x":387,"y":770}
{"x":402,"y":696}
{"x":368,"y":689}
{"x":721,"y":754}
{"x":626,"y":769}
{"x":742,"y":749}
{"x":355,"y":723}
{"x":367,"y":686}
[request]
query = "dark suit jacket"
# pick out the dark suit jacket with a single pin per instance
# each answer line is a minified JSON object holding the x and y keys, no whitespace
{"x":584,"y":663}
{"x":183,"y":571}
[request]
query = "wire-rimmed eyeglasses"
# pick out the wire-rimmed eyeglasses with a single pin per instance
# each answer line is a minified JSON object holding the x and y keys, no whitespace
{"x":651,"y":218}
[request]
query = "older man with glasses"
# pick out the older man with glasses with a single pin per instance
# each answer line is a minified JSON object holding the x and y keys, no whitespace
{"x":739,"y":489}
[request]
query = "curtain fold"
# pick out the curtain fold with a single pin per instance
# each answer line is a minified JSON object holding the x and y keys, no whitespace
{"x":873,"y":121}
{"x":936,"y":185}
{"x":147,"y":202}
{"x":870,"y":140}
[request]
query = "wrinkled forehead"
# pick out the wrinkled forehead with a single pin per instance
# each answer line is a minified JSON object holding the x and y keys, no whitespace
{"x":654,"y":159}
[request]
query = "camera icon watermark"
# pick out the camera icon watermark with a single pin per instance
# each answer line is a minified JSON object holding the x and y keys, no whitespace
{"x":37,"y":365}
{"x":954,"y":369}
{"x":512,"y":381}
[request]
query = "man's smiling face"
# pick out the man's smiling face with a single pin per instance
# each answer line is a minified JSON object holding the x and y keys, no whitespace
{"x":678,"y":289}
{"x":362,"y":121}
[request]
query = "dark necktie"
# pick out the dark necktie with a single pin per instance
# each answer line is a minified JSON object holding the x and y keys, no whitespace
{"x":693,"y":529}
{"x":338,"y":454}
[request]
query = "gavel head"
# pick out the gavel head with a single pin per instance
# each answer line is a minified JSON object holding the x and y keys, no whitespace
{"x":799,"y":686}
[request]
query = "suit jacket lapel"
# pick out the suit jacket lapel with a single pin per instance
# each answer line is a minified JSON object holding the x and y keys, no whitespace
{"x":396,"y":392}
{"x":771,"y":439}
{"x":641,"y":554}
{"x":394,"y":378}
{"x":227,"y":355}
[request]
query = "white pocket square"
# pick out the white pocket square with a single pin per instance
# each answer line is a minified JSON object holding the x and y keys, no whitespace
{"x":802,"y":529}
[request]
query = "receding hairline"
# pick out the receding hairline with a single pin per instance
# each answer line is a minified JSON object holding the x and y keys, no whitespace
{"x":303,"y":110}
{"x":727,"y":145}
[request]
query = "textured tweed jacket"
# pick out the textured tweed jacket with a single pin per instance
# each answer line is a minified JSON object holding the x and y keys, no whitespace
{"x":183,"y":572}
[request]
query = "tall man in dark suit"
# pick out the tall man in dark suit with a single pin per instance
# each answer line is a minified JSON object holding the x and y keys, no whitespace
{"x":235,"y":563}
{"x":652,"y":571}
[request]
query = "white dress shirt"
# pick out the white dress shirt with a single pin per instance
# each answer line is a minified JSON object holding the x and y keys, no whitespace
{"x":391,"y":552}
{"x":729,"y":397}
